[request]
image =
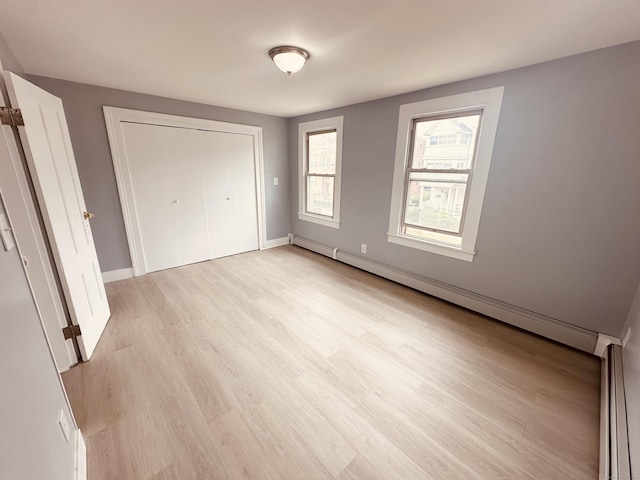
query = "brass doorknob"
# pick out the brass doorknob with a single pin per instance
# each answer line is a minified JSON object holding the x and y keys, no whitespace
{"x":88,"y":215}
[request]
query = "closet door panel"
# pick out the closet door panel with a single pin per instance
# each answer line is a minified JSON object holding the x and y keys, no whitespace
{"x":243,"y":180}
{"x":230,"y":196}
{"x":218,"y":195}
{"x":164,"y":164}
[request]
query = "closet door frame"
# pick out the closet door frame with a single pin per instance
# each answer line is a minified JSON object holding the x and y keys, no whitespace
{"x":115,"y":117}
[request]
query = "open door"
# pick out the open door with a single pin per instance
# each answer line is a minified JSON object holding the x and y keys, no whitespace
{"x":47,"y":146}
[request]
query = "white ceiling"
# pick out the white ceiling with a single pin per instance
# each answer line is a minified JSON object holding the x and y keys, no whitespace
{"x":215,"y":52}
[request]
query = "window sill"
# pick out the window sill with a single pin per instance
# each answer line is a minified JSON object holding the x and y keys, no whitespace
{"x":325,"y":221}
{"x":432,"y":247}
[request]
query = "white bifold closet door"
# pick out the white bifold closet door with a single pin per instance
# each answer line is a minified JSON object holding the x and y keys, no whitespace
{"x":194,"y":193}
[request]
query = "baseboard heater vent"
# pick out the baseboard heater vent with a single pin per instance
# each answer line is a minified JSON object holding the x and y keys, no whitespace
{"x":614,"y":440}
{"x":314,"y":246}
{"x":539,"y":324}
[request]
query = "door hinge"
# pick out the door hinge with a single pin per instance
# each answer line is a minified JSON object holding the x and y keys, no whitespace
{"x":71,"y":331}
{"x":11,"y":116}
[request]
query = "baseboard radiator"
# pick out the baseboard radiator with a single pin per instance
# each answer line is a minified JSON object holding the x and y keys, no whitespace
{"x":544,"y":326}
{"x":614,"y":440}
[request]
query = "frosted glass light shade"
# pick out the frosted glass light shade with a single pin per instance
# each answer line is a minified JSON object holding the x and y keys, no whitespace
{"x":289,"y":59}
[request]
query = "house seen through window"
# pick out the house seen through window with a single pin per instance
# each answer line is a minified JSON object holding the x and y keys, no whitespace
{"x":321,"y":171}
{"x":443,"y":154}
{"x":320,"y":159}
{"x":443,"y":150}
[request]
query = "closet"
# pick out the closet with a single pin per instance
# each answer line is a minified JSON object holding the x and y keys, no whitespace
{"x":190,"y":194}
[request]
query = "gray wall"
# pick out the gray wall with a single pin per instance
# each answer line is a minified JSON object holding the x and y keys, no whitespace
{"x":32,"y":446}
{"x":83,"y":107}
{"x":559,"y":228}
{"x":9,"y":61}
{"x":631,"y":369}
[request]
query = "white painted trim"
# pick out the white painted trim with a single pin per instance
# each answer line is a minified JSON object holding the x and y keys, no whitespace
{"x":115,"y":275}
{"x":115,"y":116}
{"x":276,"y":242}
{"x":80,"y":471}
{"x":603,"y":342}
{"x":614,"y":438}
{"x":319,"y":219}
{"x":433,"y":247}
{"x":303,"y":129}
{"x":542,"y":325}
{"x":605,"y":428}
{"x":261,"y":199}
{"x":490,"y":100}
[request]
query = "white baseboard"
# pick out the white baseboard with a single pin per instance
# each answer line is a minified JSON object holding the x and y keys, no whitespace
{"x":542,"y":325}
{"x":276,"y":242}
{"x":81,"y":457}
{"x":115,"y":275}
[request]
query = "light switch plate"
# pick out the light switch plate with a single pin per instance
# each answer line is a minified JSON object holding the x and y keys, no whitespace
{"x":5,"y":233}
{"x":64,"y":425}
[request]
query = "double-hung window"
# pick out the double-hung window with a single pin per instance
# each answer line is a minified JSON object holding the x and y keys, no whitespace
{"x":320,"y":159}
{"x":443,"y":154}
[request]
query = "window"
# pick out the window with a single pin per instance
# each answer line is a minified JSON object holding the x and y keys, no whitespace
{"x":320,"y":159}
{"x":443,"y":154}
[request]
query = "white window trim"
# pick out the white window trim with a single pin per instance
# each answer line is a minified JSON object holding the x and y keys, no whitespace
{"x":310,"y":127}
{"x":490,"y":100}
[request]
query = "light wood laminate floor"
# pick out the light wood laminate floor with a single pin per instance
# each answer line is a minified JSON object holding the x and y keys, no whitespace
{"x":284,"y":364}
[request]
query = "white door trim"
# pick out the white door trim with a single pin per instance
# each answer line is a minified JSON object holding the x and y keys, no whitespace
{"x":114,"y":117}
{"x":80,"y":470}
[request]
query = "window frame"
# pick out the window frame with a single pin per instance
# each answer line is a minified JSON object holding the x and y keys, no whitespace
{"x":461,"y":246}
{"x":316,"y":127}
{"x":465,"y":171}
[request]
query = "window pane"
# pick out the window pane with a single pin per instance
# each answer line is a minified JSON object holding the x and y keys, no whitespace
{"x":322,"y":152}
{"x":445,"y":141}
{"x":436,"y":201}
{"x":320,"y":195}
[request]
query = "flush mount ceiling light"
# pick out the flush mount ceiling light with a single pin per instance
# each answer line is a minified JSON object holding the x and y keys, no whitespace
{"x":289,"y":59}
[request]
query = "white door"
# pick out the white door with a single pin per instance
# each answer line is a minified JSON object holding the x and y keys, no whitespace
{"x":47,"y":146}
{"x":167,"y":195}
{"x":230,"y":196}
{"x":30,"y":237}
{"x":194,"y":192}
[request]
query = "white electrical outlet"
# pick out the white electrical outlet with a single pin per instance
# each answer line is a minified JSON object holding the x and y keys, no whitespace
{"x":275,"y":181}
{"x":64,"y":425}
{"x":363,"y":248}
